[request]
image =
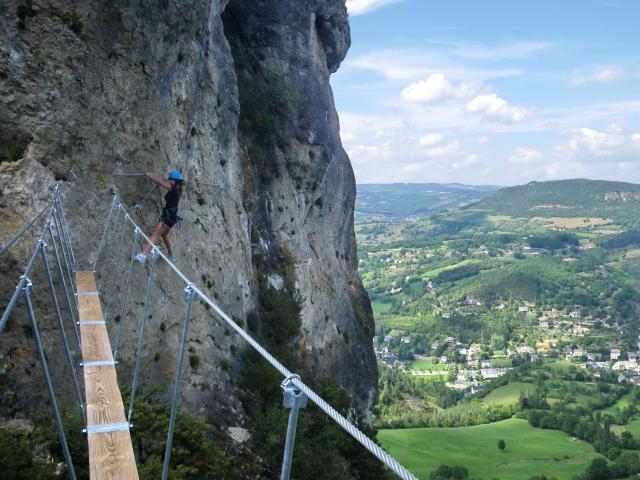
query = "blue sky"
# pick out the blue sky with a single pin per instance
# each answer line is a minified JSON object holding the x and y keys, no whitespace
{"x":495,"y":92}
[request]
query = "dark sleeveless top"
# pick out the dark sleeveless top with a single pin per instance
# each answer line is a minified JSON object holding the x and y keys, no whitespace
{"x":172,"y":198}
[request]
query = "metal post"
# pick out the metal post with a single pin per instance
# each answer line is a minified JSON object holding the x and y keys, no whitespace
{"x":104,"y":232}
{"x":124,"y":310}
{"x":18,"y":291}
{"x":66,"y":231}
{"x":116,"y":262}
{"x":65,"y":256}
{"x":54,"y":299}
{"x":7,"y":312}
{"x":23,"y":230}
{"x":190,"y":293}
{"x":134,"y":385}
{"x":295,"y":400}
{"x":65,"y":245}
{"x":26,"y":289}
{"x":64,"y":285}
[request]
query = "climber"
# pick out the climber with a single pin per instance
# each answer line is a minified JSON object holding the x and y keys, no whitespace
{"x":169,"y":217}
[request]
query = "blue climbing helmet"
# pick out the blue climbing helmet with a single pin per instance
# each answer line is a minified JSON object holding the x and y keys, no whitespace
{"x":175,"y":175}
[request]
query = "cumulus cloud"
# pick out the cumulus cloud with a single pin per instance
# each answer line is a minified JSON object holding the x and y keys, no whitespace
{"x":436,"y":88}
{"x":605,"y":75}
{"x":594,"y":142}
{"x":403,"y":156}
{"x":359,"y":7}
{"x":526,"y":156}
{"x":613,"y":144}
{"x":493,"y":108}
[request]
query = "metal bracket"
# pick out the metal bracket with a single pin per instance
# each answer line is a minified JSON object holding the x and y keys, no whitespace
{"x":293,"y":396}
{"x":155,"y":253}
{"x":28,"y":285}
{"x":189,"y":291}
{"x":106,"y":428}
{"x":99,"y":363}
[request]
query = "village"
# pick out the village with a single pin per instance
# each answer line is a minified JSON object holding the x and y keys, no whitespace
{"x":468,"y":367}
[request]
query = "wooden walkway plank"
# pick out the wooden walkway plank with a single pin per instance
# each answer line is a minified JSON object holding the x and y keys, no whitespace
{"x":110,"y":453}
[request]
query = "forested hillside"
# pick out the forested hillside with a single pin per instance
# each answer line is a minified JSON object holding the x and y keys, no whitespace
{"x":567,"y":198}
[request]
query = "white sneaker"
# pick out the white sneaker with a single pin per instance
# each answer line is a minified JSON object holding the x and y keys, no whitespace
{"x":141,"y":257}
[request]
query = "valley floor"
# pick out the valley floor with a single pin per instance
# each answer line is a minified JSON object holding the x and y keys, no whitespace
{"x":529,"y":451}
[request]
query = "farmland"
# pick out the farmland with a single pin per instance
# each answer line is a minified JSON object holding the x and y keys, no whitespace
{"x":528,"y":450}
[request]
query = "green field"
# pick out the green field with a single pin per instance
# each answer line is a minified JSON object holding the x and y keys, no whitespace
{"x":634,"y":427}
{"x":380,"y":308}
{"x":508,"y":394}
{"x":426,"y":365}
{"x":530,"y":451}
{"x":501,"y":362}
{"x":621,"y":404}
{"x":561,"y":366}
{"x":434,"y":273}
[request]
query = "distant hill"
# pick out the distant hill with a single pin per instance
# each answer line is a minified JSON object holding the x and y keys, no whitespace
{"x":618,"y":201}
{"x":404,"y":201}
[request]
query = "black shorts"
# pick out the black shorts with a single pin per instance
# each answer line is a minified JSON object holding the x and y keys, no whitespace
{"x":169,"y":216}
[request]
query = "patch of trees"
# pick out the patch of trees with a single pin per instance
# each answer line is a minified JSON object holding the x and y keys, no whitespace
{"x":445,"y":472}
{"x":465,"y":414}
{"x":579,"y":422}
{"x":458,"y":273}
{"x":622,"y":240}
{"x":518,"y":284}
{"x":537,"y":399}
{"x":626,"y":301}
{"x":626,"y":465}
{"x":376,"y":229}
{"x":553,"y":240}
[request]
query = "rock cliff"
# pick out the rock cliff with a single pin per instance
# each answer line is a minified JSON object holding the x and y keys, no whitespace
{"x":235,"y":94}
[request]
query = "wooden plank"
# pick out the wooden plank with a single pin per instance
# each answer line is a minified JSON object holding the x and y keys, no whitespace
{"x":95,"y":343}
{"x":108,"y":460}
{"x":104,"y":403}
{"x":86,"y":282}
{"x":110,"y":453}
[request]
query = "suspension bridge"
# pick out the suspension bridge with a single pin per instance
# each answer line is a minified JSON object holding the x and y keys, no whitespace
{"x":77,"y":305}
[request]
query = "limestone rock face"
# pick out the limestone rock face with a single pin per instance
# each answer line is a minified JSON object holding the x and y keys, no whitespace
{"x":235,"y":94}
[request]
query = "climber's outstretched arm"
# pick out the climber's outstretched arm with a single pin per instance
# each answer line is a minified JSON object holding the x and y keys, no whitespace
{"x":161,"y":183}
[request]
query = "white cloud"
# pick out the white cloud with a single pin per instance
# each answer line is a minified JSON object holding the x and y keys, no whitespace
{"x":445,"y":150}
{"x":502,"y":52}
{"x":564,"y":169}
{"x":436,"y":88}
{"x":594,"y":142}
{"x":467,"y":161}
{"x":429,"y":140}
{"x":491,"y":107}
{"x":359,"y":7}
{"x":415,"y":64}
{"x":605,"y":75}
{"x":526,"y":156}
{"x":613,"y":144}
